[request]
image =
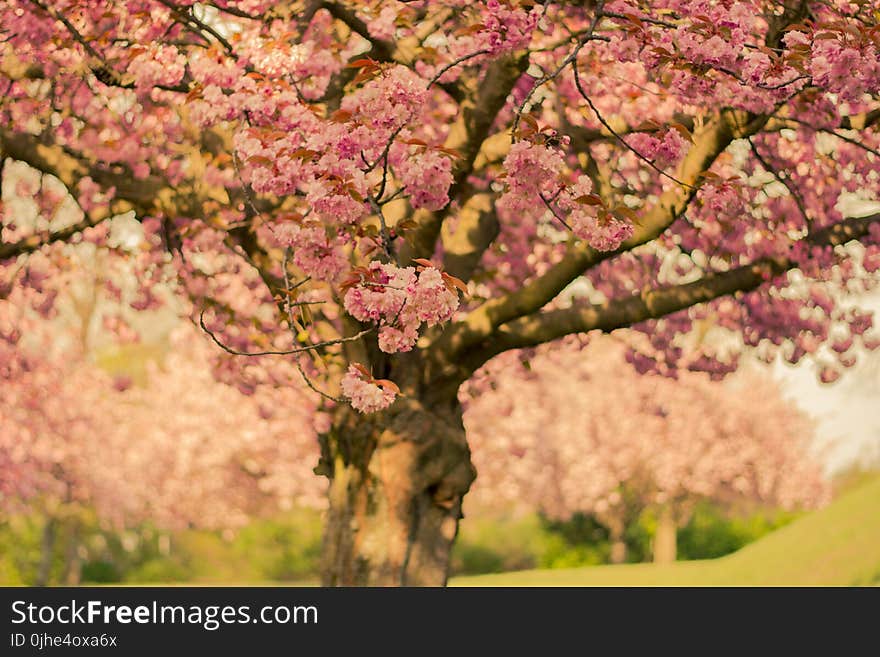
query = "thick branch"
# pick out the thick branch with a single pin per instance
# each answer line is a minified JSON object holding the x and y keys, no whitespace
{"x":709,"y":144}
{"x":36,"y":242}
{"x":41,"y":153}
{"x":477,"y":227}
{"x":475,"y":118}
{"x":403,"y":52}
{"x":381,"y":50}
{"x":654,"y":304}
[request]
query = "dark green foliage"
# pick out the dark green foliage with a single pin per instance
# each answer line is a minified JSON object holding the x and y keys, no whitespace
{"x":100,"y":572}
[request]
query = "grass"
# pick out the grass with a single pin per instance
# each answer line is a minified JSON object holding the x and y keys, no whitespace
{"x":837,"y":546}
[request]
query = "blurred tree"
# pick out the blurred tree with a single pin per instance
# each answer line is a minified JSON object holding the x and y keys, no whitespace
{"x":181,"y":451}
{"x":576,"y":429}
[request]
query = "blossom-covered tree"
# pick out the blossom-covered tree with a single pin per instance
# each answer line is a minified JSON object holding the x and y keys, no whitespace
{"x":579,"y":430}
{"x":182,"y":450}
{"x":385,"y":195}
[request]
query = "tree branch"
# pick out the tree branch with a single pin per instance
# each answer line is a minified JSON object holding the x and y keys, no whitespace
{"x":477,"y":227}
{"x":654,"y":304}
{"x":36,"y":242}
{"x":476,"y":115}
{"x":480,"y":322}
{"x":43,"y":154}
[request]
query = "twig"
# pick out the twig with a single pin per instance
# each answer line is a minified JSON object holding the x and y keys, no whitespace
{"x":572,"y":56}
{"x":791,"y":190}
{"x":458,"y":61}
{"x":607,"y":126}
{"x":288,"y":352}
{"x":189,"y":17}
{"x":553,"y":211}
{"x":299,"y":366}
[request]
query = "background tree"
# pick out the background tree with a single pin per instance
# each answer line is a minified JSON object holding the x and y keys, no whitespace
{"x":579,"y":430}
{"x":180,"y":451}
{"x":324,"y":180}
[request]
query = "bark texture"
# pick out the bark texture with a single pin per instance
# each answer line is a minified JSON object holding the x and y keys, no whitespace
{"x":397,"y":480}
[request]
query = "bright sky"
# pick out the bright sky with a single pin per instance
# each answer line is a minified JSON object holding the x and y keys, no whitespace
{"x":848,"y":411}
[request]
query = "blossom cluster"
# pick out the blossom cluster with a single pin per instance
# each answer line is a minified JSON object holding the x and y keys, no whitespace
{"x":158,"y":65}
{"x":400,"y":299}
{"x":319,"y":254}
{"x":426,"y":174}
{"x":532,"y":171}
{"x":535,"y":183}
{"x":846,"y":68}
{"x":591,"y":222}
{"x":366,"y":394}
{"x":662,"y":150}
{"x":507,"y":26}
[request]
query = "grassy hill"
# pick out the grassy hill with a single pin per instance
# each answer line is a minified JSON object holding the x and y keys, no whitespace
{"x":839,"y":545}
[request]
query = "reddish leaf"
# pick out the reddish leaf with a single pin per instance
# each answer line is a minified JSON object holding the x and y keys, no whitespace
{"x":385,"y":383}
{"x":470,"y":29}
{"x":683,"y":131}
{"x":361,"y":63}
{"x":340,"y":116}
{"x":260,"y":159}
{"x":455,"y":283}
{"x":450,"y":152}
{"x":589,"y":199}
{"x":363,"y":370}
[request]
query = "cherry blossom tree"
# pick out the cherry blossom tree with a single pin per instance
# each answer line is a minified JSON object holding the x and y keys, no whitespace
{"x":181,"y":451}
{"x":382,"y":196}
{"x":580,"y":430}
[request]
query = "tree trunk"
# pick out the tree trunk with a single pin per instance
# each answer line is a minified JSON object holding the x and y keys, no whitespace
{"x":618,"y":545}
{"x":397,"y":480}
{"x":47,"y":551}
{"x":72,"y":561}
{"x":665,"y":538}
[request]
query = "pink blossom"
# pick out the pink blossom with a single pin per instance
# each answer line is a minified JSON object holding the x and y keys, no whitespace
{"x":605,"y":234}
{"x":663,"y":151}
{"x":158,"y":65}
{"x":393,"y":340}
{"x":365,"y":395}
{"x":430,"y":299}
{"x":336,"y":201}
{"x":382,"y":26}
{"x":401,"y":300}
{"x":427,"y":176}
{"x":388,"y":101}
{"x":317,"y":254}
{"x":508,"y":28}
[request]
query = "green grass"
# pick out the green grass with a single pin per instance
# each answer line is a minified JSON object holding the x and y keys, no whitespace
{"x":837,"y":546}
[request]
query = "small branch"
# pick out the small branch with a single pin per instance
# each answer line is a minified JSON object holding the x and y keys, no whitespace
{"x":36,"y":242}
{"x":286,"y":352}
{"x":607,"y":126}
{"x":791,"y":190}
{"x":571,"y":57}
{"x":452,"y":65}
{"x":831,"y":131}
{"x":554,"y":213}
{"x":201,"y":25}
{"x":644,"y":19}
{"x":383,"y":227}
{"x":299,"y":367}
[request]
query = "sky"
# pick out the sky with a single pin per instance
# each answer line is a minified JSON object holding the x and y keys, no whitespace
{"x":847,"y":411}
